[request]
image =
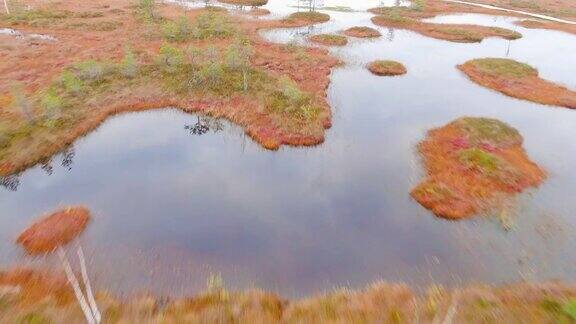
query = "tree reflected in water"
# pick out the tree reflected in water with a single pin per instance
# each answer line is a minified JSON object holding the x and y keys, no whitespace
{"x":12,"y":182}
{"x":204,"y":124}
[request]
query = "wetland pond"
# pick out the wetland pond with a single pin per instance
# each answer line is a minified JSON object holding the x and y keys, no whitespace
{"x":176,"y":197}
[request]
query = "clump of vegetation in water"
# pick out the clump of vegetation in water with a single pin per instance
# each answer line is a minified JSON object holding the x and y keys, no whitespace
{"x":517,"y":80}
{"x":309,"y":17}
{"x":329,"y":39}
{"x":504,"y":67}
{"x":460,"y":33}
{"x":387,"y":68}
{"x":472,"y":165}
{"x":362,"y":32}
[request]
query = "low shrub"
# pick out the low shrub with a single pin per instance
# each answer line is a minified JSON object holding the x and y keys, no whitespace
{"x":92,"y":71}
{"x":212,"y":25}
{"x":129,"y":65}
{"x":170,"y":58}
{"x":71,"y":83}
{"x":176,"y":31}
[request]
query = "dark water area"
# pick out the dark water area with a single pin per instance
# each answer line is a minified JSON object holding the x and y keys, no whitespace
{"x":176,"y":197}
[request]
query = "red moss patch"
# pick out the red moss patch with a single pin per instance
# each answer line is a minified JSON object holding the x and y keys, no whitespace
{"x":329,"y":40}
{"x":362,"y":32}
{"x":472,"y":165}
{"x":459,"y":33}
{"x":517,"y":80}
{"x":387,"y":68}
{"x":57,"y":229}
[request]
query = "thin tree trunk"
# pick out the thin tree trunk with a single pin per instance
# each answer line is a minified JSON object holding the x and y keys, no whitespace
{"x":75,"y":286}
{"x":88,"y":287}
{"x":6,"y":6}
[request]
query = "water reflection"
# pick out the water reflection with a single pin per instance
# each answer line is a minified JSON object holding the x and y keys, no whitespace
{"x":204,"y":124}
{"x":10,"y":182}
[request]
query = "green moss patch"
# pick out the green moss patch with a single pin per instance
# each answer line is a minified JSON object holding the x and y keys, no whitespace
{"x":329,"y":39}
{"x":504,"y":67}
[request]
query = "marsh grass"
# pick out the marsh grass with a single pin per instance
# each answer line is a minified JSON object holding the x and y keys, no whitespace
{"x":183,"y":73}
{"x":329,"y":39}
{"x":309,"y":17}
{"x":44,"y":17}
{"x":489,"y":130}
{"x":504,"y":67}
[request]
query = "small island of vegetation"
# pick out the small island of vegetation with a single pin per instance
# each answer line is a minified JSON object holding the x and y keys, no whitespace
{"x":329,"y":40}
{"x":387,"y":68}
{"x":362,"y":32}
{"x":473,"y":165}
{"x":517,"y":80}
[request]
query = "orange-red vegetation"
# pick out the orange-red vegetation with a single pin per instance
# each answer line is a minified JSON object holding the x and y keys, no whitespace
{"x":39,"y":297}
{"x":432,"y":8}
{"x":32,"y":286}
{"x":329,"y":40}
{"x":473,"y":165}
{"x":543,"y":24}
{"x":460,"y":33}
{"x":39,"y":66}
{"x":387,"y":68}
{"x":517,"y":80}
{"x":54,"y":230}
{"x":362,"y":32}
{"x":555,"y":8}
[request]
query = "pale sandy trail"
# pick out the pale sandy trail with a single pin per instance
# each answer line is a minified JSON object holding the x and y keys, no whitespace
{"x":514,"y":11}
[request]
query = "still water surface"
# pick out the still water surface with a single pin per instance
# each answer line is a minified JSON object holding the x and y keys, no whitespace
{"x":172,"y":206}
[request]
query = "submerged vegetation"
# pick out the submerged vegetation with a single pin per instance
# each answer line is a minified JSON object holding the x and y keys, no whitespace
{"x":473,"y":166}
{"x":517,"y":80}
{"x":329,"y":39}
{"x":387,"y":68}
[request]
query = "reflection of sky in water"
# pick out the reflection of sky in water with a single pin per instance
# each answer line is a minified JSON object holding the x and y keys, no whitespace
{"x":170,"y":206}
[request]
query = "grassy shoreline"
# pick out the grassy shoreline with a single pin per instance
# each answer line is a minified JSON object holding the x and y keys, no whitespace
{"x":44,"y":297}
{"x":270,"y":90}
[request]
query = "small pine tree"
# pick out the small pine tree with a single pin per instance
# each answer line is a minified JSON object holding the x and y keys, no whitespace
{"x":129,"y":64}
